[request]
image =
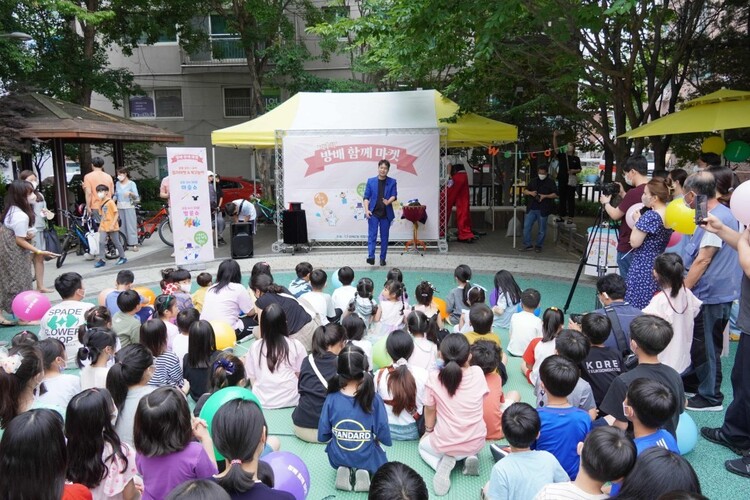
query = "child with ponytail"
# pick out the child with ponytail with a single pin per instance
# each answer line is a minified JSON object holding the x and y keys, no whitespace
{"x":539,"y":349}
{"x":425,"y":333}
{"x":363,"y":305}
{"x":127,"y":382}
{"x":99,"y":345}
{"x":392,"y":310}
{"x":473,"y":294}
{"x":21,"y":373}
{"x":402,"y":388}
{"x":678,"y":306}
{"x":353,"y":422}
{"x":239,"y":433}
{"x":454,"y":414}
{"x":504,"y":300}
{"x":59,"y":387}
{"x":226,"y":371}
{"x":424,"y":294}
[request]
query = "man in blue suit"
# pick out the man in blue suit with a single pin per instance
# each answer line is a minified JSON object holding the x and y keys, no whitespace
{"x":380,"y":193}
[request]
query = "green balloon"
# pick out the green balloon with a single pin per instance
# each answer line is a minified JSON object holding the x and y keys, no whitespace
{"x":361,"y":189}
{"x":380,"y":357}
{"x":737,"y":151}
{"x":218,"y":399}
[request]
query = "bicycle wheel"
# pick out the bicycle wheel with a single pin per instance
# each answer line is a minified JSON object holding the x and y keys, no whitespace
{"x":64,"y":247}
{"x":110,"y":250}
{"x":165,"y":232}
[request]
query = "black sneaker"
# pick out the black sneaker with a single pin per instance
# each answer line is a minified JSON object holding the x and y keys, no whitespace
{"x":739,"y":466}
{"x":717,"y":437}
{"x":537,"y":249}
{"x":371,"y":261}
{"x":699,"y":403}
{"x":499,"y":452}
{"x":526,"y":249}
{"x":382,"y":262}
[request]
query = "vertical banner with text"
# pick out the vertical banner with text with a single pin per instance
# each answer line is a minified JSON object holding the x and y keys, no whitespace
{"x":189,"y":206}
{"x":328,"y":175}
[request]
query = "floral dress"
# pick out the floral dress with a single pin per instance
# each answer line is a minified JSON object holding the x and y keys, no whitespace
{"x":640,"y":281}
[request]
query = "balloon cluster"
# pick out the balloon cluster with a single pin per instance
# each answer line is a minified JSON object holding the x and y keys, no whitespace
{"x":735,"y":151}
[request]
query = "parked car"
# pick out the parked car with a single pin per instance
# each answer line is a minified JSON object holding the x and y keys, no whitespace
{"x":649,"y":157}
{"x":236,"y":188}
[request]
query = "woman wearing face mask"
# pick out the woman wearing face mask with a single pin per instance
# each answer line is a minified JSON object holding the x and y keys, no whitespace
{"x":41,"y":215}
{"x":649,"y":238}
{"x":126,"y":195}
{"x":16,"y":241}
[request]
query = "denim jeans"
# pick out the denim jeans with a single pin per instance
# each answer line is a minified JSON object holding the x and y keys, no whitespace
{"x":532,"y":216}
{"x":708,"y":340}
{"x":623,"y":262}
{"x":373,"y":225}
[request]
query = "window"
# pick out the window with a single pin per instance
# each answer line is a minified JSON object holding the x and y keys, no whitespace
{"x":229,"y":184}
{"x":158,"y":103}
{"x":237,"y":101}
{"x":165,"y":35}
{"x":161,"y":166}
{"x":333,"y":13}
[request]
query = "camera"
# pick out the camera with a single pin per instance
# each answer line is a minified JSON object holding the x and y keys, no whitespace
{"x":611,"y":189}
{"x":576,"y":318}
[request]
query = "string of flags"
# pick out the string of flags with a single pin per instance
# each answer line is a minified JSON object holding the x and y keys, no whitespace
{"x":547,"y":153}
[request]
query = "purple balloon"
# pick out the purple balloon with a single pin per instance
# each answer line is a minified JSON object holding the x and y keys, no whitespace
{"x":290,"y":473}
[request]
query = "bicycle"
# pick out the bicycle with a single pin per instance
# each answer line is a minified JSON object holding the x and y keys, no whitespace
{"x":160,"y":222}
{"x":76,"y":238}
{"x":265,"y":214}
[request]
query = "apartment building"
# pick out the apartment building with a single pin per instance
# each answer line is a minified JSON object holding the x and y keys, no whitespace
{"x":197,"y":93}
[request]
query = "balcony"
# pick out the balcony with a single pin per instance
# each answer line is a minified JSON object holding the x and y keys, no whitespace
{"x":222,"y":50}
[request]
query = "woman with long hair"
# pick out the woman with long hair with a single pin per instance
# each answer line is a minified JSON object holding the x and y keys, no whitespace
{"x":16,"y":236}
{"x":96,"y":457}
{"x":227,"y":300}
{"x":649,"y":239}
{"x":675,"y":303}
{"x":126,"y":196}
{"x":41,"y":215}
{"x":273,"y":363}
{"x":33,"y":459}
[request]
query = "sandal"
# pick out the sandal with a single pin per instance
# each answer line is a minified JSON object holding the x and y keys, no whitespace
{"x":6,"y":322}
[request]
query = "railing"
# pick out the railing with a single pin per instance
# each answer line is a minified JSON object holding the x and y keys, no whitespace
{"x":220,"y":50}
{"x":481,"y":195}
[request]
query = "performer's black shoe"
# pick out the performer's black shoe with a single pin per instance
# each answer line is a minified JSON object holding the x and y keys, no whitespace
{"x":382,"y":262}
{"x":371,"y":261}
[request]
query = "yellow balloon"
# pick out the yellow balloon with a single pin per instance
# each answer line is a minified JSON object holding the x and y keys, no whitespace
{"x":714,"y":144}
{"x":147,"y":293}
{"x":442,"y":307}
{"x":680,"y":217}
{"x":224,"y":334}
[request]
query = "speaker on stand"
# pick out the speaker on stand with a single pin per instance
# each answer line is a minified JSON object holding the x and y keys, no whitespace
{"x":241,"y":240}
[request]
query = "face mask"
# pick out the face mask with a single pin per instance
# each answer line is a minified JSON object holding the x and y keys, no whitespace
{"x":439,"y":363}
{"x":35,"y":184}
{"x":101,"y":195}
{"x":120,"y":178}
{"x":185,"y":287}
{"x":31,"y":198}
{"x":542,"y":177}
{"x":113,"y":417}
{"x":62,"y":367}
{"x":629,"y":181}
{"x":645,"y":199}
{"x":696,"y":169}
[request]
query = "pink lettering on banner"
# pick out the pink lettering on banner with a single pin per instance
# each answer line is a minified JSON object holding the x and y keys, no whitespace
{"x":177,"y":158}
{"x":360,"y":152}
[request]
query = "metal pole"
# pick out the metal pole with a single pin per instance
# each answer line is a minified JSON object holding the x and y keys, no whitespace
{"x":515,"y":195}
{"x":216,"y":224}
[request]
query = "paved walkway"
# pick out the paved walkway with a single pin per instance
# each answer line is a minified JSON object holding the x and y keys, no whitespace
{"x":489,"y":254}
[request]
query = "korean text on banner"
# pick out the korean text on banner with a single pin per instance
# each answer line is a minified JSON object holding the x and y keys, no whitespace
{"x":601,"y":252}
{"x":328,"y":175}
{"x":189,"y":206}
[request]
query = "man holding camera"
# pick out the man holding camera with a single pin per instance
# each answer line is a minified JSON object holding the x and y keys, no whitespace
{"x":635,"y":172}
{"x":540,"y":192}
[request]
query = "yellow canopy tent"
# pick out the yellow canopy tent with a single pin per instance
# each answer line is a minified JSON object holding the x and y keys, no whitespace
{"x":358,"y":111}
{"x":721,"y":110}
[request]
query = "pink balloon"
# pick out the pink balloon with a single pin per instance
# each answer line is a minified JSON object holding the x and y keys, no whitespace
{"x":674,"y":239}
{"x":30,"y":305}
{"x":631,"y":211}
{"x":740,"y":203}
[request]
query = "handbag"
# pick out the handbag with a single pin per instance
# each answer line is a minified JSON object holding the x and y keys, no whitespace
{"x":629,"y":359}
{"x":51,"y":242}
{"x":92,"y":238}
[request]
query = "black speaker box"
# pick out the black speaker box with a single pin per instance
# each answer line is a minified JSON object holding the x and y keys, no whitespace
{"x":295,"y":227}
{"x":241,"y":240}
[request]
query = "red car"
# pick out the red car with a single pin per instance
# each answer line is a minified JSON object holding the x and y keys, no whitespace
{"x":236,"y":188}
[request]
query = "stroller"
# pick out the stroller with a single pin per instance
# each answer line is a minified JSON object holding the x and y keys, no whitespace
{"x":82,"y":235}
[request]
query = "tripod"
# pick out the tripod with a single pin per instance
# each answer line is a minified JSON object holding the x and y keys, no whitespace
{"x":601,"y":266}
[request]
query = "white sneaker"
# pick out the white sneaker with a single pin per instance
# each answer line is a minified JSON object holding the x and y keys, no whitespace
{"x":441,"y":483}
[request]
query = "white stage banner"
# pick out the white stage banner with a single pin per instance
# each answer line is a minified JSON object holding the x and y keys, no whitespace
{"x":189,"y":206}
{"x":601,"y":251}
{"x":328,"y":175}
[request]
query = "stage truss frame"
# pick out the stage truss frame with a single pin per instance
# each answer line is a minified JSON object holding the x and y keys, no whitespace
{"x":441,"y":243}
